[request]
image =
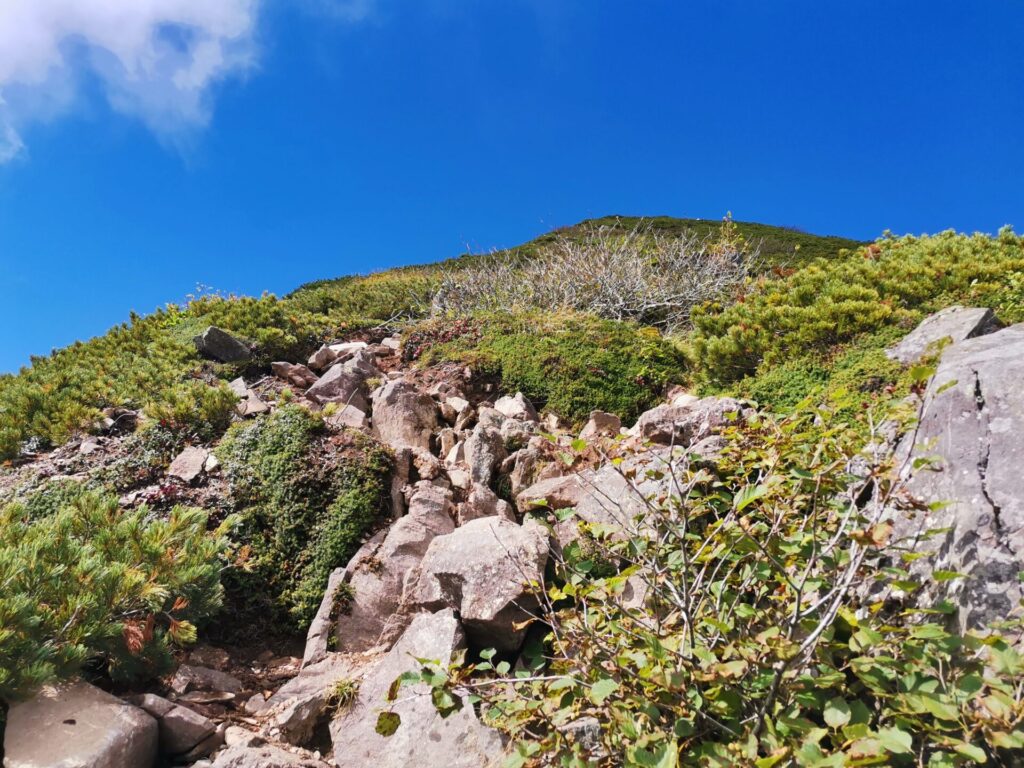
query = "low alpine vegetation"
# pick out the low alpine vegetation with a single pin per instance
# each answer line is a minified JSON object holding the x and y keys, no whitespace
{"x":569,"y":363}
{"x":752,"y":620}
{"x":94,"y":584}
{"x":806,"y":320}
{"x":303,"y":503}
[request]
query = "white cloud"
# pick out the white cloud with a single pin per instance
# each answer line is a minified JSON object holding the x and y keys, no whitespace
{"x":154,"y":59}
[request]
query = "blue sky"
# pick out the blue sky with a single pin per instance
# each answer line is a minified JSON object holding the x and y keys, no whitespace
{"x":265,"y":144}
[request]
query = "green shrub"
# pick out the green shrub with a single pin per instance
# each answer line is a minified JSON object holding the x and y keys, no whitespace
{"x":194,"y":409}
{"x":304,"y":504}
{"x":94,"y":582}
{"x":891,"y":284}
{"x":568,"y":363}
{"x":51,"y":496}
{"x":754,"y":645}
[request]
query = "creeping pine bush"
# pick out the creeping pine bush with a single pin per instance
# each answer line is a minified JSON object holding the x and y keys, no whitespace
{"x":567,"y":362}
{"x":755,"y":641}
{"x":303,"y":505}
{"x":894,"y":282}
{"x":92,"y":582}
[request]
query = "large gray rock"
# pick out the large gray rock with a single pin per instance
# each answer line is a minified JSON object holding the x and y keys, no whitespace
{"x":377,"y":583}
{"x":484,"y":452}
{"x":181,"y":729}
{"x":687,"y":423}
{"x":265,"y":756}
{"x":423,"y":739}
{"x":341,"y":384}
{"x":555,"y":492}
{"x":76,"y":725}
{"x":403,"y":416}
{"x":972,"y":422}
{"x":516,"y":407}
{"x":483,"y":570}
{"x":220,"y":345}
{"x":303,"y":703}
{"x":952,"y":323}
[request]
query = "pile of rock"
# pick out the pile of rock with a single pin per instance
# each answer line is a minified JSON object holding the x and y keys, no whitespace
{"x":464,"y":559}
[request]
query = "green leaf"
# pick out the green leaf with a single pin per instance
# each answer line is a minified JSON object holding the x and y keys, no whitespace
{"x":602,"y":689}
{"x":969,"y":750}
{"x":387,"y":723}
{"x":748,"y":496}
{"x":837,"y":712}
{"x":896,"y":741}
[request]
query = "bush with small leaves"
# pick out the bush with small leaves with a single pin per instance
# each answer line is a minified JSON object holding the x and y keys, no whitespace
{"x":303,"y":503}
{"x":750,"y":643}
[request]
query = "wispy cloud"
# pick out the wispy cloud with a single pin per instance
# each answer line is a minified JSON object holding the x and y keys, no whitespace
{"x":156,"y":60}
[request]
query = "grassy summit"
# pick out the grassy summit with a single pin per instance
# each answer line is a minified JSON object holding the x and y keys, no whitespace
{"x":143,"y":362}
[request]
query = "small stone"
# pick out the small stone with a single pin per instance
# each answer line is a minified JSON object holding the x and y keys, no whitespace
{"x":192,"y":678}
{"x":601,"y":424}
{"x":516,"y":407}
{"x":189,"y":464}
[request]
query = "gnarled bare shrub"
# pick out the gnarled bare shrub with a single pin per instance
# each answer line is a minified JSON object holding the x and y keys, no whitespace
{"x":638,"y":274}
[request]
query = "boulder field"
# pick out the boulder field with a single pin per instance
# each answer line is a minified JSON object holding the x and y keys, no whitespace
{"x":476,"y":486}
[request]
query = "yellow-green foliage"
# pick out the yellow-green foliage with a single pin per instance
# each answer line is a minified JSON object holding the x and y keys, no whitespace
{"x":92,"y":581}
{"x":302,"y":506}
{"x":65,"y":391}
{"x":569,"y":363}
{"x":754,"y":645}
{"x":194,"y":409}
{"x":798,"y":325}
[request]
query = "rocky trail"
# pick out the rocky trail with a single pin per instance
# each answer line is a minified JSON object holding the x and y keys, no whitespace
{"x":479,"y":477}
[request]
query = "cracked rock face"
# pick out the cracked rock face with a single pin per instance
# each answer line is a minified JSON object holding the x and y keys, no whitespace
{"x":972,"y":423}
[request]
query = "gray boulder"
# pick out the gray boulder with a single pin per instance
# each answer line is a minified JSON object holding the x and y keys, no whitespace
{"x":189,"y":464}
{"x":180,"y":728}
{"x":971,"y":422}
{"x":686,"y":424}
{"x":484,"y":452}
{"x":265,"y":756}
{"x":423,"y":738}
{"x":340,"y":384}
{"x":404,"y":417}
{"x":601,"y":424}
{"x":76,"y":725}
{"x":952,"y":323}
{"x":555,"y":492}
{"x":218,"y":344}
{"x":483,"y":570}
{"x":376,"y":584}
{"x":516,"y":407}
